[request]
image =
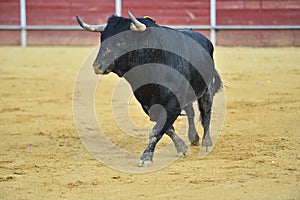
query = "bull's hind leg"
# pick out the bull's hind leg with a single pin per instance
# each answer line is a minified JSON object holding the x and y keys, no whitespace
{"x":192,"y":132}
{"x":205,"y":104}
{"x":181,"y":147}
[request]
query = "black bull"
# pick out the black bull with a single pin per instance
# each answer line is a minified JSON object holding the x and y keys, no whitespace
{"x":162,"y":87}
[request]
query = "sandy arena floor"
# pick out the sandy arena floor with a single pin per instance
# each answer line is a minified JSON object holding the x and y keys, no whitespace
{"x":256,"y":157}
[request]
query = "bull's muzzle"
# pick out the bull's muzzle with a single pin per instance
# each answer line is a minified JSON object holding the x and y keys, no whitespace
{"x":96,"y":67}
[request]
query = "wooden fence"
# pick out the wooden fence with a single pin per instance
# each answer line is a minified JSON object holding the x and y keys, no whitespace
{"x":237,"y":22}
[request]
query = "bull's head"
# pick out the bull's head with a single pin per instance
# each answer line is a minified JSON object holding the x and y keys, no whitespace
{"x":114,"y":26}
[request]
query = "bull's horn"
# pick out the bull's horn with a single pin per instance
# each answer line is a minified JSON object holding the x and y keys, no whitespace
{"x":93,"y":28}
{"x":136,"y":25}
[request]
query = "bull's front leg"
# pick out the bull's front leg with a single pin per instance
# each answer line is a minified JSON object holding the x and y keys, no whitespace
{"x":147,"y":157}
{"x":181,"y":147}
{"x":164,"y":122}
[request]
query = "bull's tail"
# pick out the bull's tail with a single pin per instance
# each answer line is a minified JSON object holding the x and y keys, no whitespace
{"x":218,"y":85}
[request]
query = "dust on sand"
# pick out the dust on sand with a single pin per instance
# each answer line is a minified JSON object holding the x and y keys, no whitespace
{"x":257,"y":156}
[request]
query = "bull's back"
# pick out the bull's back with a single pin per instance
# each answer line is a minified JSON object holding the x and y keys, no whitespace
{"x":200,"y":39}
{"x":208,"y":46}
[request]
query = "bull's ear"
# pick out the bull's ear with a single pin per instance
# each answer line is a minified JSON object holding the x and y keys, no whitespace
{"x":149,"y":18}
{"x":88,"y":27}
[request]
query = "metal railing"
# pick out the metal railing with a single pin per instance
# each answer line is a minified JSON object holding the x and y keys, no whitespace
{"x":118,"y":10}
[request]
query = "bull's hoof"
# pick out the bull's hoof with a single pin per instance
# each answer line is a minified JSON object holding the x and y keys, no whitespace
{"x":185,"y":154}
{"x":144,"y":163}
{"x":194,"y":138}
{"x":206,"y":149}
{"x":207,"y":144}
{"x":180,"y":145}
{"x":181,"y":148}
{"x":146,"y":159}
{"x":195,"y":142}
